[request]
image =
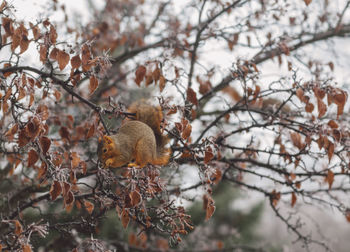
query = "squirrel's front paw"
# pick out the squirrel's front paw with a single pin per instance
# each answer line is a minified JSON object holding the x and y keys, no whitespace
{"x":133,"y":165}
{"x":109,"y":162}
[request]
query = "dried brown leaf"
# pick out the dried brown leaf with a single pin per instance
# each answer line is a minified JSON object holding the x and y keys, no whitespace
{"x":296,"y":140}
{"x":55,"y":190}
{"x":75,"y":62}
{"x":9,"y":134}
{"x":32,"y":157}
{"x":322,"y":108}
{"x":275,"y":197}
{"x":294,"y":199}
{"x":309,"y":107}
{"x":18,"y":228}
{"x":233,"y":93}
{"x":57,"y":94}
{"x":125,"y":218}
{"x":26,"y":248}
{"x":85,"y":58}
{"x":156,"y":74}
{"x":209,"y":207}
{"x":89,"y":206}
{"x":54,"y":53}
{"x":192,"y":96}
{"x":187,"y":131}
{"x":333,"y":124}
{"x":75,"y":160}
{"x":216,"y":176}
{"x":330,"y":178}
{"x":69,"y":200}
{"x":36,"y":32}
{"x":149,"y":80}
{"x":135,"y":197}
{"x":45,"y":144}
{"x":23,"y":139}
{"x":24,"y":43}
{"x":208,"y":155}
{"x":300,"y":94}
{"x":162,"y":82}
{"x":172,"y":110}
{"x":21,"y":93}
{"x":64,"y":133}
{"x":330,"y":151}
{"x":43,"y":112}
{"x":62,"y":59}
{"x":53,"y":35}
{"x":7,"y":23}
{"x":91,"y":131}
{"x":93,"y":84}
{"x":43,"y":53}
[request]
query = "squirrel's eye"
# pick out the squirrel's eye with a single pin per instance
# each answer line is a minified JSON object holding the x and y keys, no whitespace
{"x":104,"y":150}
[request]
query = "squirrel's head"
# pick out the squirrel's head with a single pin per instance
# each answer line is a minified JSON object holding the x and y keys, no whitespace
{"x":106,"y":147}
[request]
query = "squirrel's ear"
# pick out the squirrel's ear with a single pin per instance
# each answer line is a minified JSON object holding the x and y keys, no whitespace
{"x":107,"y":139}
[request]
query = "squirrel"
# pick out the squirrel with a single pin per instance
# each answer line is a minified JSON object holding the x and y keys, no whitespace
{"x":140,"y":140}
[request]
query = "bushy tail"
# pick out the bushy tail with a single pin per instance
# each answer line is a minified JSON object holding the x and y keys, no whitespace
{"x":163,"y":156}
{"x":153,"y":117}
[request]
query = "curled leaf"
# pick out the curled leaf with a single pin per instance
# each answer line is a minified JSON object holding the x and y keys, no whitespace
{"x":69,"y":200}
{"x":209,"y":207}
{"x":93,"y":84}
{"x":55,"y":190}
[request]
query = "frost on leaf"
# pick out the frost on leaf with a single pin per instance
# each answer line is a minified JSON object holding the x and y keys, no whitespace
{"x":208,"y":206}
{"x":208,"y":155}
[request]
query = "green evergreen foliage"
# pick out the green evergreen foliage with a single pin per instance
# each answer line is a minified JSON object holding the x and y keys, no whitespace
{"x":228,"y":224}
